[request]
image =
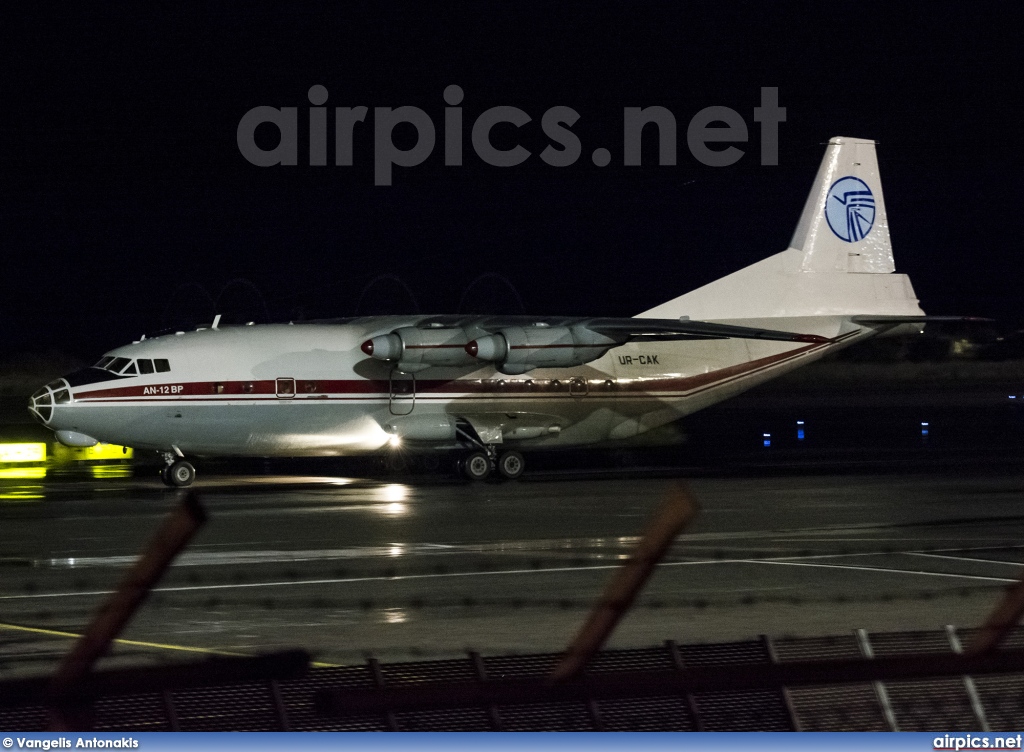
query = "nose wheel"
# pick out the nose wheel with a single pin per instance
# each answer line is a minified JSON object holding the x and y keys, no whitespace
{"x":178,"y":475}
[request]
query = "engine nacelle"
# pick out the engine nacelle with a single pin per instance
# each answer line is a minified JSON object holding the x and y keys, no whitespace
{"x":519,"y":349}
{"x":383,"y":347}
{"x":417,"y":349}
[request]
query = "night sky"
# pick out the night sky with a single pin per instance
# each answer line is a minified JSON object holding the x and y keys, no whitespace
{"x":127,"y":207}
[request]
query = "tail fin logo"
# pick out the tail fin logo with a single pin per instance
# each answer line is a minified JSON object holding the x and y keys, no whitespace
{"x":850,"y":209}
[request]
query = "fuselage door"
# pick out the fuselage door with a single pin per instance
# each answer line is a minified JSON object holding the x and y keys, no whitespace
{"x":403,"y":392}
{"x":286,"y":388}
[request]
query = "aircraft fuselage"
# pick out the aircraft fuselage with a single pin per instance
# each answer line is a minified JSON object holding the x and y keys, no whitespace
{"x":308,"y":390}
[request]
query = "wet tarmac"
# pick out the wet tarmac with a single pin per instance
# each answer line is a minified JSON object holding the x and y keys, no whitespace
{"x":822,"y":512}
{"x":426,"y":567}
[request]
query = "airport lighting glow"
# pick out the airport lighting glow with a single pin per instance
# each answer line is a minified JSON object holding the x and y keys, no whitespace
{"x":107,"y":452}
{"x":394,"y":492}
{"x":94,"y":453}
{"x":21,"y":473}
{"x":102,"y":472}
{"x":23,"y":452}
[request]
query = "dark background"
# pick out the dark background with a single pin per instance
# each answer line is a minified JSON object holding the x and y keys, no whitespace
{"x":126,"y":207}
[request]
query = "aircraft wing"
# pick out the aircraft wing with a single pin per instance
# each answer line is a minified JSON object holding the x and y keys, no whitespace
{"x":518,"y":344}
{"x":663,"y":329}
{"x":623,"y":329}
{"x":869,"y":320}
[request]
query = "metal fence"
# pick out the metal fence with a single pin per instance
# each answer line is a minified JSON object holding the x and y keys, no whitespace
{"x":854,"y":682}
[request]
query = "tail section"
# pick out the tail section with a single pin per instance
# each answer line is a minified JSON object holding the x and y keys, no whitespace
{"x":839,"y":262}
{"x":843,"y":227}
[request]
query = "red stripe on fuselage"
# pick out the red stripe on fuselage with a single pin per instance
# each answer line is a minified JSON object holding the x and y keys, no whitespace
{"x":328,"y":388}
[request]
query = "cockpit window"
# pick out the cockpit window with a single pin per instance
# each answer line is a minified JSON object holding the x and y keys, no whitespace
{"x":129,"y":367}
{"x":117,"y":364}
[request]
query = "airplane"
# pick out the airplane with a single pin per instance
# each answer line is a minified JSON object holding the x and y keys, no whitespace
{"x":489,"y":387}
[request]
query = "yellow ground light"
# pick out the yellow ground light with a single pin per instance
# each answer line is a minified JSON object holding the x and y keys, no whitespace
{"x":62,"y":453}
{"x":23,"y":473}
{"x":23,"y":452}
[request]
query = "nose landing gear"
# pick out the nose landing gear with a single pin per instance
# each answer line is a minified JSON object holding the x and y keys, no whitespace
{"x":178,"y":473}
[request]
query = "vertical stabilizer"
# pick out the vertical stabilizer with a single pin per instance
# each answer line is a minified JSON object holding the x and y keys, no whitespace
{"x":843,"y":227}
{"x":839,"y":262}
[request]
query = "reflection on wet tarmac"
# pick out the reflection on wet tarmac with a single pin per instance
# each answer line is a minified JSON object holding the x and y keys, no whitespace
{"x":417,"y":566}
{"x":101,"y":472}
{"x":22,"y":473}
{"x":393,"y":492}
{"x":512,"y":566}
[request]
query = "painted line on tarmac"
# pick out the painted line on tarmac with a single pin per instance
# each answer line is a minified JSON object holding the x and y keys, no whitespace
{"x":344,"y":580}
{"x":964,"y":558}
{"x":795,"y":561}
{"x":144,"y":644}
{"x":381,"y":578}
{"x":885,"y":570}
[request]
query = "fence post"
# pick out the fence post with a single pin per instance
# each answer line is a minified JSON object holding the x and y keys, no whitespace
{"x":117,"y":610}
{"x":595,"y":714}
{"x":279,"y":708}
{"x":172,"y":713}
{"x":769,"y":648}
{"x":864,"y":643}
{"x":378,"y":680}
{"x":481,"y":676}
{"x":691,"y":701}
{"x":1000,"y":622}
{"x":969,"y":686}
{"x":675,"y":513}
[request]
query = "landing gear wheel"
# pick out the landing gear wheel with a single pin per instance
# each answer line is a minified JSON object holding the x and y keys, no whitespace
{"x":181,"y":474}
{"x":477,"y":466}
{"x":165,"y":476}
{"x":511,"y":465}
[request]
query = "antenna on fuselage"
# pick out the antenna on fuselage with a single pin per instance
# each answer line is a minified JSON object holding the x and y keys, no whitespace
{"x":216,"y":321}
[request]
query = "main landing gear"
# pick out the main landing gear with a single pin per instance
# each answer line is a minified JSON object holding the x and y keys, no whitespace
{"x":511,"y":465}
{"x":479,"y":464}
{"x":178,"y":473}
